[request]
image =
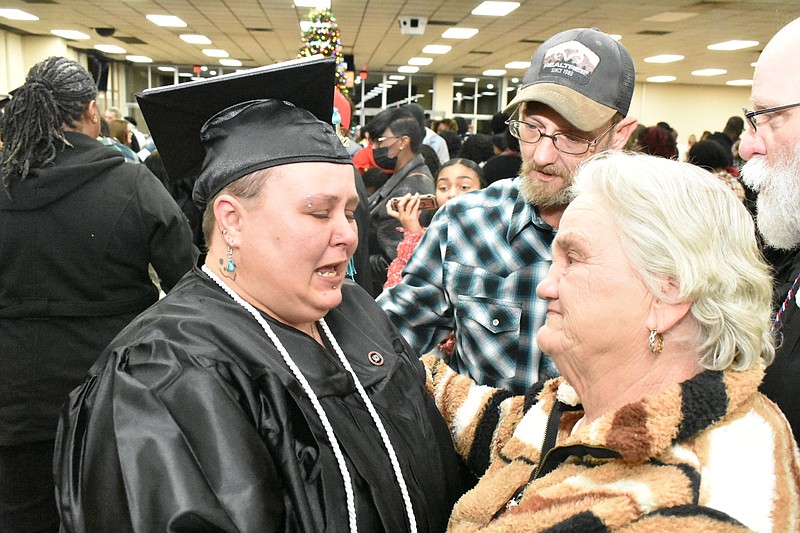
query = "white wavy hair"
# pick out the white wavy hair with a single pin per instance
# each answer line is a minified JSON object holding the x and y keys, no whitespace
{"x":680,"y":222}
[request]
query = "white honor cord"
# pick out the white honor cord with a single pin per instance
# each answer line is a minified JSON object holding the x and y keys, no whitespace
{"x":348,"y":487}
{"x":381,"y":429}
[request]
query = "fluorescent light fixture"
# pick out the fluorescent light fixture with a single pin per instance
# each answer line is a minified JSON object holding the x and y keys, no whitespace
{"x":185,"y":75}
{"x":514,"y":80}
{"x":319,"y":4}
{"x":488,"y":93}
{"x":460,"y":33}
{"x":670,"y":16}
{"x":420,"y":61}
{"x":469,"y":80}
{"x":495,"y":9}
{"x":230,"y":62}
{"x":490,"y":85}
{"x":518,"y":65}
{"x":709,"y":72}
{"x":408,"y":69}
{"x":494,"y":72}
{"x":214,"y":72}
{"x":203,"y":68}
{"x":110,"y":48}
{"x":17,"y":14}
{"x":70,"y":34}
{"x":732,"y":45}
{"x":167,"y":21}
{"x":215,"y":52}
{"x":397,"y":77}
{"x":139,"y":59}
{"x":436,"y":49}
{"x":195,"y":39}
{"x":739,"y":83}
{"x":458,"y":84}
{"x":664,"y":58}
{"x":391,"y":83}
{"x":661,"y":79}
{"x":430,"y":91}
{"x":166,"y":69}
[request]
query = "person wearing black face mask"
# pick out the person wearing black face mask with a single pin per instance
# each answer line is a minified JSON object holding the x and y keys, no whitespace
{"x":396,"y":136}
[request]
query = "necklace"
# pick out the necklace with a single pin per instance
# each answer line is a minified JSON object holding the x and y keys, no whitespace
{"x":348,"y":486}
{"x":785,"y":304}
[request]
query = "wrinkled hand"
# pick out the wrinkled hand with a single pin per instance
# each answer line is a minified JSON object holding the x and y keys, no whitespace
{"x":407,"y":212}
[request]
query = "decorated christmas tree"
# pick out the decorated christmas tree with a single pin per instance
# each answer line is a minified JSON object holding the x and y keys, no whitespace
{"x":322,"y":37}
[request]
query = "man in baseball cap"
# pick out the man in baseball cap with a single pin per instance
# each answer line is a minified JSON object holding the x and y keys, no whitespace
{"x":476,"y":269}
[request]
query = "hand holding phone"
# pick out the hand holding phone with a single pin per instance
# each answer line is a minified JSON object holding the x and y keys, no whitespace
{"x":426,"y":202}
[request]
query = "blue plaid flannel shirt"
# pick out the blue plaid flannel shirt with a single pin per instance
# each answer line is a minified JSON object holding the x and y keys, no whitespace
{"x":475,"y":271}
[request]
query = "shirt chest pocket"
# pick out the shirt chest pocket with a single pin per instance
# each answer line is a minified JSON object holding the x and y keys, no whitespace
{"x":488,"y":332}
{"x":493,"y":315}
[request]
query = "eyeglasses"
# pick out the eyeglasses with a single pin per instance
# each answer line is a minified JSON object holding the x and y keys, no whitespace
{"x":380,"y":140}
{"x":751,"y":115}
{"x":564,"y":142}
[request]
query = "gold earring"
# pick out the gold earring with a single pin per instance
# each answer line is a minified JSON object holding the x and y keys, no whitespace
{"x":656,"y":342}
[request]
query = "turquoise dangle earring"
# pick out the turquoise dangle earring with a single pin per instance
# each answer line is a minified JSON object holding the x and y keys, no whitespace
{"x":351,"y":269}
{"x":229,"y":266}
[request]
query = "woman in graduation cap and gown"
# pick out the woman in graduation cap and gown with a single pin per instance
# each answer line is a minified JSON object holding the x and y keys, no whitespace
{"x":266,"y":392}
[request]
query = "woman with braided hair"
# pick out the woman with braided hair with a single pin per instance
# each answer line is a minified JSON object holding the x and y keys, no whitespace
{"x":79,"y":228}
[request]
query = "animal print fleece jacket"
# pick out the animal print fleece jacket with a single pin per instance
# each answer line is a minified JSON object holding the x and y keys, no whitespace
{"x":710,"y":454}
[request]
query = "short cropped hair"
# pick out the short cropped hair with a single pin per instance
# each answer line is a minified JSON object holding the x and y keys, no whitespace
{"x":402,"y":122}
{"x":248,"y":189}
{"x":679,"y":222}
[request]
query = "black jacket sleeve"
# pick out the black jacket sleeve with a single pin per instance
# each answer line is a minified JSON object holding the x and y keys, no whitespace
{"x":164,"y":445}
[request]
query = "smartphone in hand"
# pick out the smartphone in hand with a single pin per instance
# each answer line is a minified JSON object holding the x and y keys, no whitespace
{"x":426,"y":202}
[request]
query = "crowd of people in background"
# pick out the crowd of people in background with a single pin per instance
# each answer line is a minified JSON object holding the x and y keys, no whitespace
{"x":560,"y":323}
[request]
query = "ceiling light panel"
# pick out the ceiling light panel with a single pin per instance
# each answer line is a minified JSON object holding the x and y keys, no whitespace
{"x":436,"y":49}
{"x":195,"y":39}
{"x":732,"y":45}
{"x":495,"y":9}
{"x":167,"y":21}
{"x":460,"y":33}
{"x":110,"y":48}
{"x":664,"y":58}
{"x":213,"y":52}
{"x":70,"y":34}
{"x":661,"y":79}
{"x":17,"y":14}
{"x":709,"y":72}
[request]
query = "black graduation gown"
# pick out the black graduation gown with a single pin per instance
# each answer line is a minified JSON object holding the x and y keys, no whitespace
{"x":191,"y":421}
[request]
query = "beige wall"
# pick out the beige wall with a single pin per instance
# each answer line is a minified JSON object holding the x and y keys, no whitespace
{"x":12,"y":65}
{"x":689,"y":109}
{"x":19,"y":53}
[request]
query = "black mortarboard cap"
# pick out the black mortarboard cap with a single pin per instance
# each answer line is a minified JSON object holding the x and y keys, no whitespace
{"x":223,"y":128}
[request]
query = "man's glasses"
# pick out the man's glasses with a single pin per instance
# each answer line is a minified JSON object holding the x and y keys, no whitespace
{"x":564,"y":142}
{"x":379,"y":140}
{"x":751,"y":115}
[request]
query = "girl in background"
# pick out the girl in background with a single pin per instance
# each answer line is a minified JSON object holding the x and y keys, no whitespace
{"x":457,"y":176}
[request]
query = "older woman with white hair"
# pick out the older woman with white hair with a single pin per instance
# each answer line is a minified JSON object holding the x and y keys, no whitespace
{"x":659,"y":322}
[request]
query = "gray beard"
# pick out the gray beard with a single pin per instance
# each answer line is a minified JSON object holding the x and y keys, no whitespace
{"x":778,"y":204}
